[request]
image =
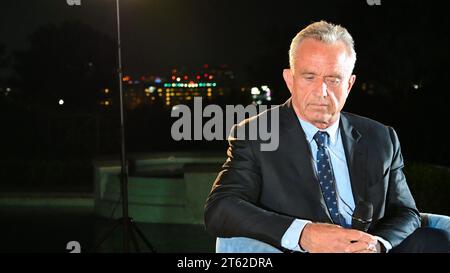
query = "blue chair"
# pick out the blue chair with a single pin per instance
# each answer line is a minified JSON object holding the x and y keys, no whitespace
{"x":249,"y":245}
{"x":243,"y":245}
{"x":435,"y":221}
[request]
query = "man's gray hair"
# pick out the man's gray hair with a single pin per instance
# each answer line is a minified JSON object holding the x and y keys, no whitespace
{"x":324,"y":32}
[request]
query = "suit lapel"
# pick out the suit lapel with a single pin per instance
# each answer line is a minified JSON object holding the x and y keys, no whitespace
{"x":356,"y":155}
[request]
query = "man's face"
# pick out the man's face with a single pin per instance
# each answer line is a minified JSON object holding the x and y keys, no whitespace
{"x":320,"y":81}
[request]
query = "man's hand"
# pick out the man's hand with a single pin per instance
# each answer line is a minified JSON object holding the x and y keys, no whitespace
{"x":329,"y":238}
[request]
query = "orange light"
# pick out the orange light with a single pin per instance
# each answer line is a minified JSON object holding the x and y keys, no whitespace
{"x":126,"y":78}
{"x":211,"y":77}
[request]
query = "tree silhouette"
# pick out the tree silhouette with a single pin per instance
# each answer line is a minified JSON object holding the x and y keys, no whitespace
{"x":70,"y":61}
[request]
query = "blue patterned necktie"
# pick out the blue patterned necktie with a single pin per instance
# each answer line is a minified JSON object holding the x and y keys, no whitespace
{"x":326,"y":176}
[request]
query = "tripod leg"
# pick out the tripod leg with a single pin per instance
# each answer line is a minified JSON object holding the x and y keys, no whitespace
{"x":146,"y":242}
{"x":133,"y":238}
{"x":107,"y":234}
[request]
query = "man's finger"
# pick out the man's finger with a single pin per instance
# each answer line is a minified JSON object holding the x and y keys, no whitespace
{"x":365,"y":251}
{"x":360,"y":246}
{"x":356,"y":235}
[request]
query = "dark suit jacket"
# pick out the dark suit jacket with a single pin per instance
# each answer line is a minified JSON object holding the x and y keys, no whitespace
{"x":258,"y":194}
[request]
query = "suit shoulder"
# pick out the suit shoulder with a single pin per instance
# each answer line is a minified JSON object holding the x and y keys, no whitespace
{"x":365,"y":122}
{"x":262,"y":112}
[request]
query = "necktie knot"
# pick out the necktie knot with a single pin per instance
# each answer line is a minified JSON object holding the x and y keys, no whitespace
{"x":321,"y":139}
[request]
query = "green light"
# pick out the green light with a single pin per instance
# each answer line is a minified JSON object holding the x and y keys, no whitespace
{"x":214,"y":84}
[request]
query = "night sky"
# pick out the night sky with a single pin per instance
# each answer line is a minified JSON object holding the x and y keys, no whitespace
{"x":160,"y":34}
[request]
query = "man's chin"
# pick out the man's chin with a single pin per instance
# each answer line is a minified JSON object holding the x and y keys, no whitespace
{"x":321,"y":122}
{"x":322,"y":125}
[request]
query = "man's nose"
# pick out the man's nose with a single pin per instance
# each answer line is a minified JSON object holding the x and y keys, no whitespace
{"x":321,"y":89}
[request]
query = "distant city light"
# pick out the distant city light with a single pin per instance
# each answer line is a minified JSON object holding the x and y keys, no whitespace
{"x":107,"y":102}
{"x":178,"y":79}
{"x":106,"y":90}
{"x":8,"y":89}
{"x":61,"y":102}
{"x":190,"y":84}
{"x":416,"y":86}
{"x":158,"y":80}
{"x":255,"y":91}
{"x":126,"y":78}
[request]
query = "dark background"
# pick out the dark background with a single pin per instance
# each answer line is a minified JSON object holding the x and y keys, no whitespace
{"x":50,"y":50}
{"x":46,"y":48}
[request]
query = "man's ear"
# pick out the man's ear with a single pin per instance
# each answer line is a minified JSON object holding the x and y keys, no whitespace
{"x":351,"y":81}
{"x":288,"y":78}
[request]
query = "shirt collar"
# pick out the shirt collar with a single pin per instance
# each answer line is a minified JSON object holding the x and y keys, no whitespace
{"x":310,"y":130}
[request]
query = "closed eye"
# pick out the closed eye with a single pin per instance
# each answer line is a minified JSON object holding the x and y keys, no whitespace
{"x":308,"y":77}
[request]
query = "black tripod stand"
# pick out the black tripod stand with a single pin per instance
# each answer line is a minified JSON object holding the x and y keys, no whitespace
{"x":129,"y":226}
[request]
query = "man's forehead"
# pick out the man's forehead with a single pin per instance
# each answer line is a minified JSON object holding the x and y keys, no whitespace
{"x":315,"y":59}
{"x":313,"y":44}
{"x":319,"y":68}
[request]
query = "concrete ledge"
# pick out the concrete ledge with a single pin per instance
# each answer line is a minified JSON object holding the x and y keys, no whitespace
{"x":45,"y":200}
{"x":170,"y":188}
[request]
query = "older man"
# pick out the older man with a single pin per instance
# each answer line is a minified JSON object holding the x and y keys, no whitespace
{"x":301,"y":197}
